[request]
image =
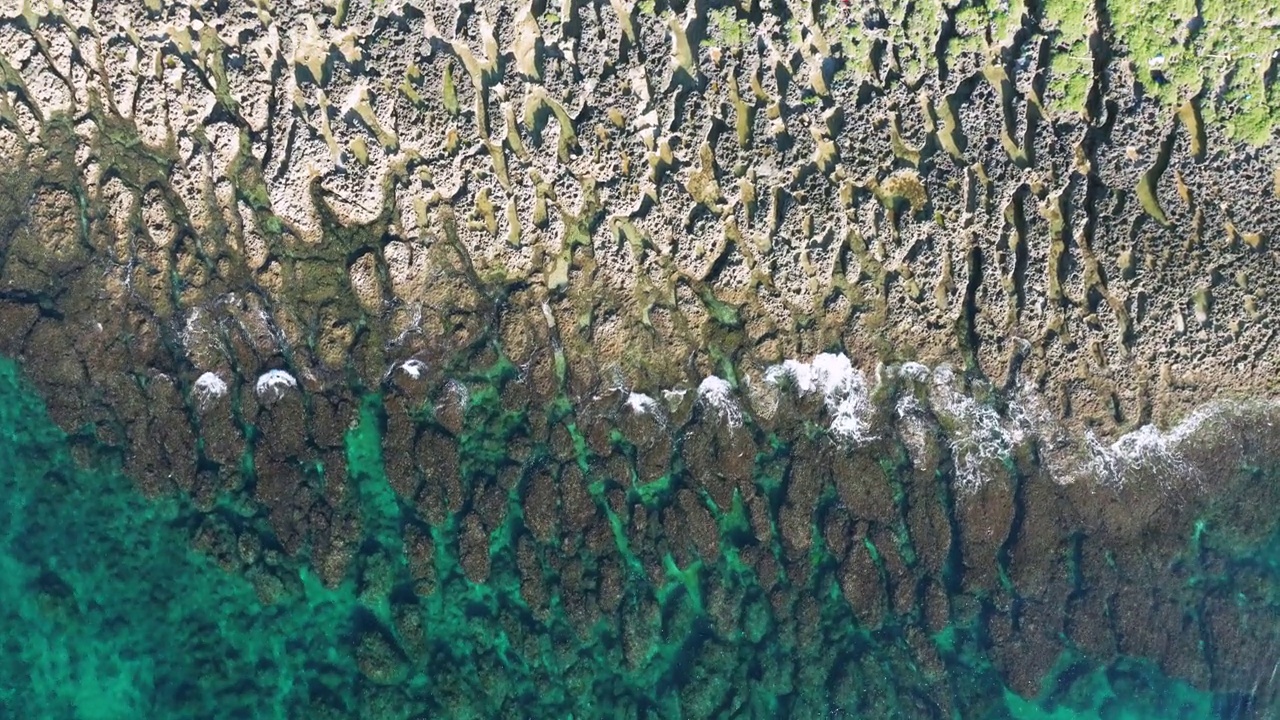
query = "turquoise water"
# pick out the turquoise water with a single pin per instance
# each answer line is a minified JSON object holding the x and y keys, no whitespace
{"x":107,"y":611}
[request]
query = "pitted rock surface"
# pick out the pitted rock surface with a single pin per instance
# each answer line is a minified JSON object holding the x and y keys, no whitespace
{"x":564,"y":247}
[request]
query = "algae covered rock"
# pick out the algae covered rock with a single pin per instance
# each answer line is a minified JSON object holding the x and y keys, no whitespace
{"x":650,"y":358}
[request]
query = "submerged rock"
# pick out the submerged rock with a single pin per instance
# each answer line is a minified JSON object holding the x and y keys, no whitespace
{"x":703,"y":361}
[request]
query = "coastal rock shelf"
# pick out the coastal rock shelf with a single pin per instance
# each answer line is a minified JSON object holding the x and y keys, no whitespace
{"x":705,"y":359}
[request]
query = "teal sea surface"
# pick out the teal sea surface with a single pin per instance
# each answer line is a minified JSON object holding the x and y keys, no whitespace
{"x":108,"y":612}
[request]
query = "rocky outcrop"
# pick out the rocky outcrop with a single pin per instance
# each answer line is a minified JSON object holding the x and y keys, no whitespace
{"x":876,"y":300}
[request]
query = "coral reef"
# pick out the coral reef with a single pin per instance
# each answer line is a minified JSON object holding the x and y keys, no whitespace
{"x":663,"y":359}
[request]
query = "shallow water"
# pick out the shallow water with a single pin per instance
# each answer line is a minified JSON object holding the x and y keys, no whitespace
{"x":107,"y":612}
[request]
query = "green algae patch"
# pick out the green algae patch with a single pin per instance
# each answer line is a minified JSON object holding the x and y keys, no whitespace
{"x":1071,"y":65}
{"x":1129,"y":689}
{"x":1223,"y":52}
{"x":380,"y":508}
{"x":728,"y":28}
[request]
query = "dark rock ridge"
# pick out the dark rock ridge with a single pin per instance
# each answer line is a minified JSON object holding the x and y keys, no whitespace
{"x":280,"y":264}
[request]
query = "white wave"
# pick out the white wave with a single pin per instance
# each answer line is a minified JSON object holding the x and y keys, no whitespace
{"x":913,"y":425}
{"x":273,"y":383}
{"x":937,"y":405}
{"x":199,"y":335}
{"x":209,"y":386}
{"x":458,"y":392}
{"x":413,"y":368}
{"x":716,"y":393}
{"x":641,"y":404}
{"x":979,"y":437}
{"x":1028,"y":418}
{"x":843,"y":387}
{"x":192,"y":330}
{"x":1149,"y":449}
{"x":914,"y":371}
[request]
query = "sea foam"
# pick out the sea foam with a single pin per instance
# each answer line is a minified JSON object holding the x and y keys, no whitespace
{"x":843,"y":387}
{"x":641,"y":404}
{"x":413,"y":367}
{"x":272,"y":384}
{"x":716,"y":394}
{"x":208,"y":387}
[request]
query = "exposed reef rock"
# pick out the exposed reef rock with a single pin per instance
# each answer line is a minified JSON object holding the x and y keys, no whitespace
{"x":674,"y":318}
{"x":368,"y":181}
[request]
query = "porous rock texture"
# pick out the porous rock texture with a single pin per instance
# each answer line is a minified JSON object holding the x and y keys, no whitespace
{"x":226,"y":223}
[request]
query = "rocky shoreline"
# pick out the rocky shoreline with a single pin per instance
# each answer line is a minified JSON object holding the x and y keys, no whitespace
{"x":615,"y":291}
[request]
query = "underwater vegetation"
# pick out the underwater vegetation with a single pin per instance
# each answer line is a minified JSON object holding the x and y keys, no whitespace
{"x":108,"y":611}
{"x":638,"y":359}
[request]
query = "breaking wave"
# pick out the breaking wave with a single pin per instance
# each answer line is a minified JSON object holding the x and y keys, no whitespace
{"x":982,"y":430}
